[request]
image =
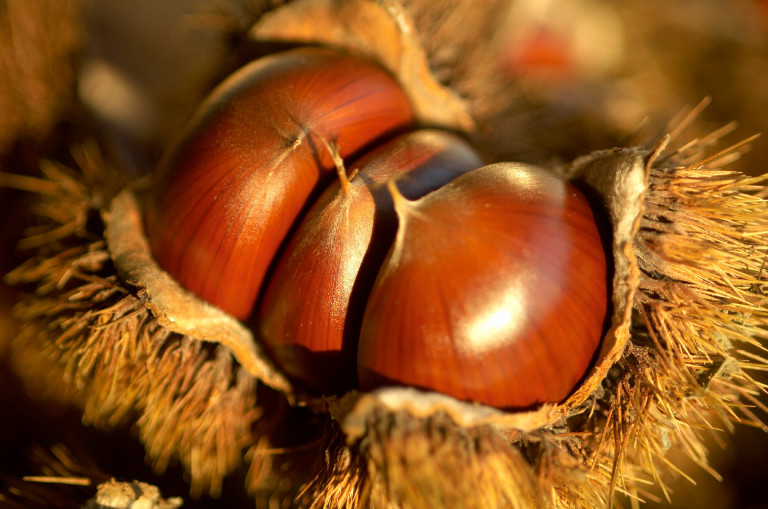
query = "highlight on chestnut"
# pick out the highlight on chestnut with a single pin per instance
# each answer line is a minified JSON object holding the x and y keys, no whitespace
{"x":417,"y":266}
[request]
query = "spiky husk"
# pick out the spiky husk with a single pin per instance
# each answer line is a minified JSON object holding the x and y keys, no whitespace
{"x":86,"y":329}
{"x":67,"y":478}
{"x":56,"y":473}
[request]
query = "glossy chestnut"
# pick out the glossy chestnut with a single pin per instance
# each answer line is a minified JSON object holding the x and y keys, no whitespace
{"x":494,"y":291}
{"x":230,"y":190}
{"x":310,"y":316}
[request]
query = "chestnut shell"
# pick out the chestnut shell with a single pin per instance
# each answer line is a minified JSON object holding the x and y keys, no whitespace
{"x":494,"y":291}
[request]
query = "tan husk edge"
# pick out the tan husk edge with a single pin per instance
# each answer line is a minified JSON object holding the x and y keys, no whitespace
{"x":174,"y":307}
{"x":381,"y":30}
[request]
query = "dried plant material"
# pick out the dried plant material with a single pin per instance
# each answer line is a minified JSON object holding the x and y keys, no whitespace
{"x":411,"y":462}
{"x":700,"y":248}
{"x":133,"y":495}
{"x":619,"y":177}
{"x":72,"y":481}
{"x":64,"y":479}
{"x":381,"y":30}
{"x":86,"y":328}
{"x":287,"y":454}
{"x":461,"y":41}
{"x":354,"y":410}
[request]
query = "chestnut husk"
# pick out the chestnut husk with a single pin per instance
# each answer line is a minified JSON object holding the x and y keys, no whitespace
{"x":376,"y":443}
{"x":640,"y":386}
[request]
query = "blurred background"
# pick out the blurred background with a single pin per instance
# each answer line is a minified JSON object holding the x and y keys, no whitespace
{"x":548,"y":80}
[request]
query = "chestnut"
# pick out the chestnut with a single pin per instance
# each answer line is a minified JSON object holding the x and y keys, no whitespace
{"x":310,"y":316}
{"x":494,"y":291}
{"x":229,"y":191}
{"x":491,"y":288}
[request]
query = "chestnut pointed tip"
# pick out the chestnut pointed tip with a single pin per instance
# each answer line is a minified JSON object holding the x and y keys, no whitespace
{"x":403,"y":206}
{"x":341,"y":171}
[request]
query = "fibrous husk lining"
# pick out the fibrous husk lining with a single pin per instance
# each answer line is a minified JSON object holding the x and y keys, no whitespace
{"x":411,"y":462}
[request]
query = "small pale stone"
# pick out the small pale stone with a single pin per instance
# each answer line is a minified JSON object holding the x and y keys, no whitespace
{"x":130,"y":495}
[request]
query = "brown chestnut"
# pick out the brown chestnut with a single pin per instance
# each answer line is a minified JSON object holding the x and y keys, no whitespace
{"x":494,"y":291}
{"x":229,"y":191}
{"x":313,"y":306}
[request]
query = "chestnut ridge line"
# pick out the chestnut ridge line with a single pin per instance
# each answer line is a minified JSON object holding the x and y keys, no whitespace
{"x":606,"y":428}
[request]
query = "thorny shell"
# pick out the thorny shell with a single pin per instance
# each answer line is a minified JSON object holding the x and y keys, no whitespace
{"x":657,"y":380}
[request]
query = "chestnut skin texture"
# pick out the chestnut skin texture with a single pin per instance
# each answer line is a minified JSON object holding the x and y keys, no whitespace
{"x":228,"y":193}
{"x":312,"y":309}
{"x":494,"y":291}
